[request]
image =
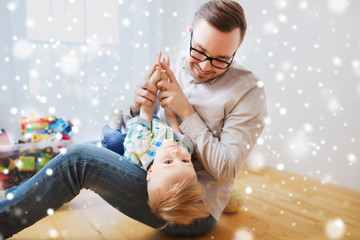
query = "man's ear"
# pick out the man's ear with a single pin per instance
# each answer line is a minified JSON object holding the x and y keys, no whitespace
{"x":149,"y":173}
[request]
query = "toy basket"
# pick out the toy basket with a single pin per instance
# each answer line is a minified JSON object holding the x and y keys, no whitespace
{"x":19,"y":162}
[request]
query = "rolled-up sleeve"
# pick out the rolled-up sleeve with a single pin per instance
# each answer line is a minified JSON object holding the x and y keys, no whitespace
{"x":224,"y":156}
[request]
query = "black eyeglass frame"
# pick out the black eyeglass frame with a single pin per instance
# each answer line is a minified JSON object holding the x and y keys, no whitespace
{"x":209,"y":58}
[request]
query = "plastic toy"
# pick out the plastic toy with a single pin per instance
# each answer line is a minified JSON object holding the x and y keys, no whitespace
{"x":35,"y":129}
{"x":41,"y":140}
{"x":9,"y":175}
{"x":35,"y":137}
{"x":23,"y":164}
{"x":34,"y":124}
{"x":4,"y":138}
{"x":235,"y":202}
{"x":60,"y":126}
{"x":46,"y":156}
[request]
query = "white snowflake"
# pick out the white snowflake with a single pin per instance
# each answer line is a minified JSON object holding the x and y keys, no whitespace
{"x":335,"y":228}
{"x":126,"y":22}
{"x":49,"y":171}
{"x":53,"y":233}
{"x":338,"y":6}
{"x":248,"y":190}
{"x":10,"y":196}
{"x":50,"y":211}
{"x":243,"y":234}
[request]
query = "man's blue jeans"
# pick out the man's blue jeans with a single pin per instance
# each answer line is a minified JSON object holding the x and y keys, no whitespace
{"x":116,"y":179}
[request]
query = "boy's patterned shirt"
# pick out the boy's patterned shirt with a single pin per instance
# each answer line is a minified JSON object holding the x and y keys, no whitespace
{"x":144,"y":138}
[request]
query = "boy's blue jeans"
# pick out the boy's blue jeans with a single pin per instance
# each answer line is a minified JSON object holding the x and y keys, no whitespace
{"x":117,"y":180}
{"x":113,"y":139}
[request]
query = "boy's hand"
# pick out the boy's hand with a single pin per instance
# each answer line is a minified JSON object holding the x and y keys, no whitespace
{"x":159,"y":74}
{"x":146,"y":111}
{"x":145,"y":94}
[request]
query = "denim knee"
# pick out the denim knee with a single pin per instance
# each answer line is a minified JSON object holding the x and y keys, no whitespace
{"x":113,"y":139}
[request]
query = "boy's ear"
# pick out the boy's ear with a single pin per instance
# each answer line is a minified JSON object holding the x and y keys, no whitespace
{"x":149,"y":173}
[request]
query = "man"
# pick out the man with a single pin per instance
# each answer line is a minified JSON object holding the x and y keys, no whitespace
{"x":221,"y":109}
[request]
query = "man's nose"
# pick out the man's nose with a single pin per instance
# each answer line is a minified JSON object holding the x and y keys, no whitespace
{"x":205,"y":66}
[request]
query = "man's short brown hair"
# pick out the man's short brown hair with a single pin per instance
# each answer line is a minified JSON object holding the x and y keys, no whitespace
{"x":224,"y":15}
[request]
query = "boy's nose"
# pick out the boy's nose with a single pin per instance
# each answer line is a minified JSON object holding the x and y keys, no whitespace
{"x":175,"y":152}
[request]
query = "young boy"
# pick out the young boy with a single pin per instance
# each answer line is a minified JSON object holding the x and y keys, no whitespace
{"x":175,"y":194}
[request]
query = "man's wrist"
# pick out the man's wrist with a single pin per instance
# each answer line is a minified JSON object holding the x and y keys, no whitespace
{"x":186,"y":113}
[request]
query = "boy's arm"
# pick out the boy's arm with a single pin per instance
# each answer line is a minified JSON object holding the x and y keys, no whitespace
{"x":145,"y":111}
{"x":172,"y":120}
{"x":138,"y":138}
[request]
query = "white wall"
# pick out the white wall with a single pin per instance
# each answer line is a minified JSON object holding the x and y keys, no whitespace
{"x":307,"y":53}
{"x":77,"y":59}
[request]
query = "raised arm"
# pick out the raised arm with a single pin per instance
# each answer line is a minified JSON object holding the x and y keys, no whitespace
{"x":146,"y":111}
{"x":224,"y":155}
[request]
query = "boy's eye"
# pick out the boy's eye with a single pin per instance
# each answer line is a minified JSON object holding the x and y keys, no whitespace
{"x":168,"y":161}
{"x":186,"y":161}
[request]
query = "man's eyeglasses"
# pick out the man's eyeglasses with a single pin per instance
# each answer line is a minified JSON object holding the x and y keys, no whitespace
{"x":202,"y":57}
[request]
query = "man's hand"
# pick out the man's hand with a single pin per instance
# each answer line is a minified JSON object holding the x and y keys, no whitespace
{"x":172,"y":96}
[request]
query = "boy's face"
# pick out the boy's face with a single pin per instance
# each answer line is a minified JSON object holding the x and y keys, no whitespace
{"x":172,"y":163}
{"x":214,"y":43}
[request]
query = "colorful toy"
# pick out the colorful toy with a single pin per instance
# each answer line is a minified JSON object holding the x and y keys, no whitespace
{"x":34,"y":124}
{"x":60,"y":126}
{"x":35,"y":129}
{"x":235,"y":202}
{"x":35,"y":137}
{"x":22,"y":164}
{"x":4,"y":138}
{"x":45,"y":157}
{"x":9,"y":175}
{"x":41,"y":140}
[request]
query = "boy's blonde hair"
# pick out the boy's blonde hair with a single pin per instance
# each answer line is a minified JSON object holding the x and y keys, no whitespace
{"x":181,"y":204}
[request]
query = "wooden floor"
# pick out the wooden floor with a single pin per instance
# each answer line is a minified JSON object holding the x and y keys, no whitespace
{"x":277,"y":205}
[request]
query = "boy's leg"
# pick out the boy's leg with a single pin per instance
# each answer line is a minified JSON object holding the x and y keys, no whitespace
{"x":117,"y":180}
{"x":113,"y":139}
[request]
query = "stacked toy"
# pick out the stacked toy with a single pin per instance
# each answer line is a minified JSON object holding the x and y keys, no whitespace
{"x":37,"y":129}
{"x":40,"y":141}
{"x":4,"y":138}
